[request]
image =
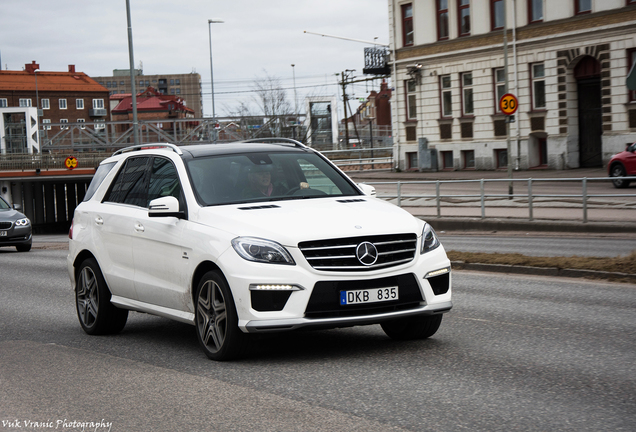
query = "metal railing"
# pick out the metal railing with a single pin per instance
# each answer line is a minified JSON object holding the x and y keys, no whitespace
{"x":529,"y":198}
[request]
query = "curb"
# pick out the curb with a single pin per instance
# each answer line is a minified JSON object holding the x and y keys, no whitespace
{"x":471,"y":224}
{"x":544,"y":271}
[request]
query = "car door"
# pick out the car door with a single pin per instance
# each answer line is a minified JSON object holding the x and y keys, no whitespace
{"x":630,"y":160}
{"x":162,"y":265}
{"x":114,"y":222}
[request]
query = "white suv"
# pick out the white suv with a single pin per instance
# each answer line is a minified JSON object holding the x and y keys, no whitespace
{"x":249,"y":237}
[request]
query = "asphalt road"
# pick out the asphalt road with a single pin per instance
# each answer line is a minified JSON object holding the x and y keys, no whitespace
{"x":515,"y":353}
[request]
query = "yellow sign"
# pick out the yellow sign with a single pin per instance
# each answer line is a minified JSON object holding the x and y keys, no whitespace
{"x":70,"y":162}
{"x":508,"y":104}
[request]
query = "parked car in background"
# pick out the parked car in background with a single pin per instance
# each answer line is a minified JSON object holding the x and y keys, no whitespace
{"x":249,"y":237}
{"x":15,"y":228}
{"x":623,"y":164}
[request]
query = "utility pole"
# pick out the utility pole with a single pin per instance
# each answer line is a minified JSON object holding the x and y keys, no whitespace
{"x":508,"y":146}
{"x":344,"y":100}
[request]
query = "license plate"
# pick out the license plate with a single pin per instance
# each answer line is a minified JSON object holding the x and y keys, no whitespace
{"x":372,"y":295}
{"x":3,"y":233}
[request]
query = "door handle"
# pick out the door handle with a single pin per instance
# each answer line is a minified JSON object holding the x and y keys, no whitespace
{"x":99,"y":220}
{"x":139,"y":227}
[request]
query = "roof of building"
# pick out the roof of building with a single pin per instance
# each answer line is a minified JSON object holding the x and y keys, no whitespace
{"x":150,"y":100}
{"x":70,"y":81}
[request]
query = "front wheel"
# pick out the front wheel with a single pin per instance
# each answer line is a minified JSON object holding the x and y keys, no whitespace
{"x":96,"y":314}
{"x":410,"y":328}
{"x":619,"y":171}
{"x":217,"y":319}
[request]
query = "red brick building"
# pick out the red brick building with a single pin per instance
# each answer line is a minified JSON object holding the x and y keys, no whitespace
{"x":154,"y":106}
{"x":62,"y":97}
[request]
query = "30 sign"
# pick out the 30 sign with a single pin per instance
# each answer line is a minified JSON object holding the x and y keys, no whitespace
{"x":508,"y":104}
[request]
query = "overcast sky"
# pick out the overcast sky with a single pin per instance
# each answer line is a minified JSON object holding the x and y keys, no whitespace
{"x":258,"y":37}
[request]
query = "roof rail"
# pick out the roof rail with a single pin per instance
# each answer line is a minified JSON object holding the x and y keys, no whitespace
{"x":173,"y":147}
{"x":276,"y":141}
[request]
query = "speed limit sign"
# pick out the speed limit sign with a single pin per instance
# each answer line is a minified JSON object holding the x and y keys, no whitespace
{"x":508,"y":104}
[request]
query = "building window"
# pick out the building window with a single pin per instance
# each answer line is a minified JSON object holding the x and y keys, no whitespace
{"x":501,"y":157}
{"x":171,"y":91}
{"x":407,"y":24}
{"x":45,"y":104}
{"x":411,"y":100}
{"x":172,"y":82}
{"x":177,"y":81}
{"x":178,"y":91}
{"x":446,"y":96}
{"x":496,"y":14}
{"x":500,"y":87}
{"x":538,"y":86}
{"x":98,"y":103}
{"x":442,"y":19}
{"x":100,"y":125}
{"x":44,"y":124}
{"x":121,"y":83}
{"x":463,"y":14}
{"x":447,"y":160}
{"x":81,"y":121}
{"x":3,"y":103}
{"x":468,"y":108}
{"x":468,"y":159}
{"x":411,"y":133}
{"x":25,"y":102}
{"x":79,"y":104}
{"x":535,"y":11}
{"x":62,"y":127}
{"x":582,"y":6}
{"x":631,"y":61}
{"x":62,"y":104}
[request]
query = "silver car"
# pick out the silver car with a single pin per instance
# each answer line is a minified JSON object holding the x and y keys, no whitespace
{"x":15,"y":228}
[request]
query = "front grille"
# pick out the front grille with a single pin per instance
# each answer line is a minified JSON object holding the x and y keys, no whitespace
{"x":325,"y":297}
{"x":5,"y":225}
{"x":340,"y":254}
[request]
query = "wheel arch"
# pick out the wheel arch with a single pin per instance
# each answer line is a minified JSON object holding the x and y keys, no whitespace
{"x":203,"y":268}
{"x":80,"y":258}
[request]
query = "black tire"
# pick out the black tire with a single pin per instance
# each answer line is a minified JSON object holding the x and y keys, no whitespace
{"x":23,"y":248}
{"x":618,"y":170}
{"x":217,"y":320}
{"x":96,"y":314}
{"x":411,"y":328}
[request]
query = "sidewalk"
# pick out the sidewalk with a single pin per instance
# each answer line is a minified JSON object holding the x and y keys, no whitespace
{"x":506,"y":215}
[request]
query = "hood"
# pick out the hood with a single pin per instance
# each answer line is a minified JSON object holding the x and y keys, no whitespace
{"x":10,"y":215}
{"x":294,"y":221}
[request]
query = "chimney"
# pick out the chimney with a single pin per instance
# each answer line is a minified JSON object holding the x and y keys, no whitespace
{"x":31,"y":67}
{"x":71,"y":68}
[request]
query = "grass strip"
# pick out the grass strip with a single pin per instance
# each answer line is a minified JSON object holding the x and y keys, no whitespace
{"x":622,"y":264}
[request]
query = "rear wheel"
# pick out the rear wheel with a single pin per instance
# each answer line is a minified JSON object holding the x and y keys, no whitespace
{"x":410,"y":328}
{"x":217,"y":319}
{"x":619,"y":171}
{"x":96,"y":314}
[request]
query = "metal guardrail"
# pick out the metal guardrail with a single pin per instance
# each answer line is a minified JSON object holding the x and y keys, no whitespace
{"x":482,"y":196}
{"x":43,"y":162}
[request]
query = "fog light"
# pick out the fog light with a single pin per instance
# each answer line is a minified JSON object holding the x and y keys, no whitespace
{"x":275,"y":287}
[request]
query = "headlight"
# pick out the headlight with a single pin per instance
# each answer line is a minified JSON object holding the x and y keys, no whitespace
{"x":22,"y":222}
{"x":261,"y":250}
{"x":429,"y":239}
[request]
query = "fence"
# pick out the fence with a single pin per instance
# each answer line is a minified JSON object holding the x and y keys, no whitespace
{"x":528,"y":200}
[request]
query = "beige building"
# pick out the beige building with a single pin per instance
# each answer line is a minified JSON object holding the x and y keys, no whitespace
{"x":186,"y":86}
{"x":567,"y":65}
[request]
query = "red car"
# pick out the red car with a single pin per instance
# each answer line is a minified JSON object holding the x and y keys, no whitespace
{"x":623,"y":164}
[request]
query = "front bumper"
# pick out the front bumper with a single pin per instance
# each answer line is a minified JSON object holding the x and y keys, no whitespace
{"x":326,"y":323}
{"x":17,"y":236}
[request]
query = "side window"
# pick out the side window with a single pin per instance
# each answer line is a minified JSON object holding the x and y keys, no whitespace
{"x":164,"y":180}
{"x":98,"y":178}
{"x":316,"y":178}
{"x":129,"y":187}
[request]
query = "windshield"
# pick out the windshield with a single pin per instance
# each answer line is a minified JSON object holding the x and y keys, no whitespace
{"x":257,"y":177}
{"x":4,"y":205}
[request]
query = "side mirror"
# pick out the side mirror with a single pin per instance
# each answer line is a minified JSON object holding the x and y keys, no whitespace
{"x":17,"y":207}
{"x":367,"y":189}
{"x":165,"y":207}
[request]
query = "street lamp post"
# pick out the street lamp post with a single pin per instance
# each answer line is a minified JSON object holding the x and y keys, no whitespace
{"x":295,"y":103}
{"x":210,"y":22}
